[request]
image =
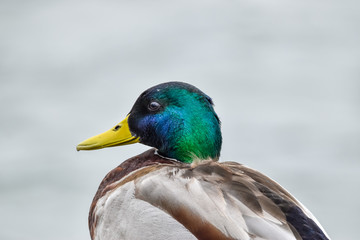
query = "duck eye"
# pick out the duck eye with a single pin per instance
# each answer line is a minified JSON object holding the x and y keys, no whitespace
{"x":154,"y":106}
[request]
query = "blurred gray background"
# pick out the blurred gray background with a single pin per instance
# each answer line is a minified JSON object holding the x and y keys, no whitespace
{"x":284,"y":75}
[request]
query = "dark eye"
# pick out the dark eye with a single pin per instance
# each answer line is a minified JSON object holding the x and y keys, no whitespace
{"x":154,"y":106}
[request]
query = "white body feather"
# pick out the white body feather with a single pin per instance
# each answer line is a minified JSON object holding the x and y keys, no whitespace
{"x":139,"y":209}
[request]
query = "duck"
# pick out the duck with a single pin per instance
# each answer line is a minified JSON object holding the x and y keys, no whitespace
{"x":178,"y":189}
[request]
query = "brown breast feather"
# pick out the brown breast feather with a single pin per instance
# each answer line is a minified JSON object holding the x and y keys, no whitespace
{"x":147,"y":158}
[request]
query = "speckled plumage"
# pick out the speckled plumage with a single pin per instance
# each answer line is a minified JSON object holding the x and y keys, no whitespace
{"x":208,"y":200}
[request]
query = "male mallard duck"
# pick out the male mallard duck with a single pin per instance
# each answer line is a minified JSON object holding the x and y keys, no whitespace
{"x":178,"y":190}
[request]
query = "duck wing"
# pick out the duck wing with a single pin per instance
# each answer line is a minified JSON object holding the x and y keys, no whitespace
{"x":150,"y":197}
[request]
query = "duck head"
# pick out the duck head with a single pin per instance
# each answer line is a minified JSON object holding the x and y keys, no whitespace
{"x":176,"y":118}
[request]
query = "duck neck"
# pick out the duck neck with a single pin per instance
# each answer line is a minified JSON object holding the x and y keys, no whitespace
{"x":196,"y":139}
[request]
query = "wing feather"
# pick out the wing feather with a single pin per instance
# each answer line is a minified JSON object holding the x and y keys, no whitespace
{"x":157,"y":198}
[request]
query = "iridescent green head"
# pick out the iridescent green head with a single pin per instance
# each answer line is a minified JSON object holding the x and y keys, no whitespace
{"x":176,"y":118}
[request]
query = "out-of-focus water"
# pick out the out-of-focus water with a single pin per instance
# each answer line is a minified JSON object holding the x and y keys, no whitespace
{"x":284,"y":76}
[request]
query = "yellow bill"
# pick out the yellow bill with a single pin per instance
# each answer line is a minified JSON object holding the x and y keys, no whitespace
{"x":118,"y":135}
